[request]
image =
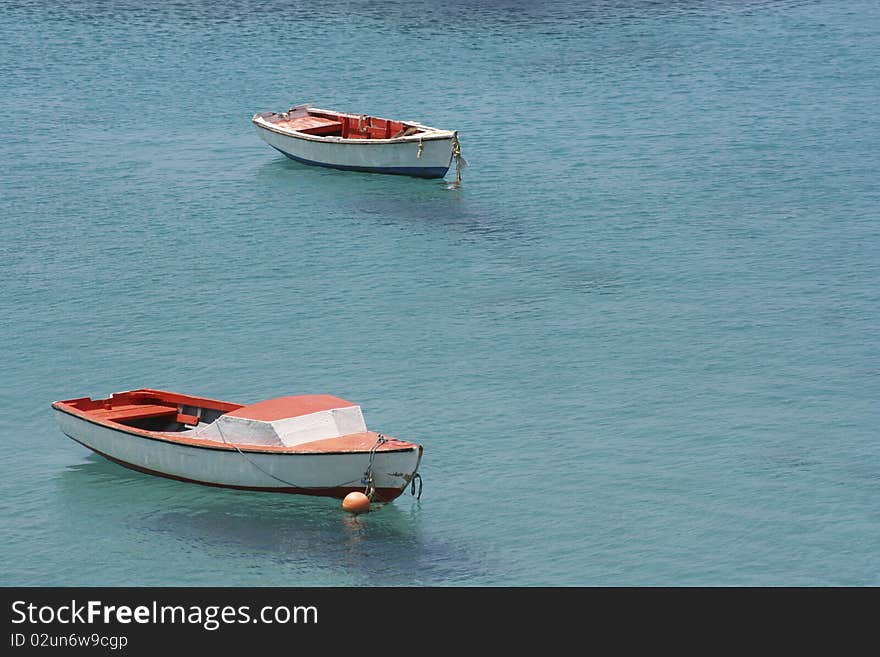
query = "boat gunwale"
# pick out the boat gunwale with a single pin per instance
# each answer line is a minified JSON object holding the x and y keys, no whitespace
{"x":201,"y":443}
{"x":430,"y":134}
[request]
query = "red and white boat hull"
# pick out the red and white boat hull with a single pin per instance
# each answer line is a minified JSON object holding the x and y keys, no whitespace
{"x":427,"y":154}
{"x":247,"y":467}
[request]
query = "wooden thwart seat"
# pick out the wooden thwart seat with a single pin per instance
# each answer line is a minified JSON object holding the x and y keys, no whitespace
{"x":134,"y":412}
{"x":313,"y":125}
{"x":183,"y":418}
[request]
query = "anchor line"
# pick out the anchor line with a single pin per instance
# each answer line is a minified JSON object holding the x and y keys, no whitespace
{"x":370,"y":488}
{"x":412,"y":485}
{"x":269,"y":474}
{"x":456,"y":153}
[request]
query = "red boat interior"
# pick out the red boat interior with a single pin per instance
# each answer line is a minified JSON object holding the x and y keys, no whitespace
{"x":331,"y":124}
{"x":153,"y":410}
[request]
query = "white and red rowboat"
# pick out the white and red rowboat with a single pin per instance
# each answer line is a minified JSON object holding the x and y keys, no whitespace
{"x":308,"y":444}
{"x":358,"y":142}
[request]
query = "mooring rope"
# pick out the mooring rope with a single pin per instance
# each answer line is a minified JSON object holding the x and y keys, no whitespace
{"x":370,"y":489}
{"x":367,"y":479}
{"x":269,"y":474}
{"x":456,"y":153}
{"x":412,"y":485}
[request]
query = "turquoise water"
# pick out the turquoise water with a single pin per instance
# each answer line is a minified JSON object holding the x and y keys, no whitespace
{"x":639,"y":344}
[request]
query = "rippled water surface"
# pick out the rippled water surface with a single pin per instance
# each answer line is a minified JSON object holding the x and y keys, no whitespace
{"x":639,"y":344}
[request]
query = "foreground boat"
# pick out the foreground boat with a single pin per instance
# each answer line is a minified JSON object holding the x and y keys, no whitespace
{"x":358,"y":142}
{"x":309,"y":444}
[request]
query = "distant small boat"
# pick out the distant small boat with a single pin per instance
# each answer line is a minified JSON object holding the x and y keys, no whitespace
{"x":307,"y":444}
{"x":358,"y":142}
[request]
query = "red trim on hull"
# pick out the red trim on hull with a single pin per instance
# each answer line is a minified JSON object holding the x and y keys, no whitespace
{"x":382,"y":494}
{"x":198,"y":443}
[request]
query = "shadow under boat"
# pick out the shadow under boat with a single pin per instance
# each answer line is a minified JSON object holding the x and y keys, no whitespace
{"x":399,"y":201}
{"x":387,"y":546}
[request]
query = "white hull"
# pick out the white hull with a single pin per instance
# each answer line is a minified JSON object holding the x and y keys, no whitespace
{"x":289,"y":472}
{"x":429,"y":157}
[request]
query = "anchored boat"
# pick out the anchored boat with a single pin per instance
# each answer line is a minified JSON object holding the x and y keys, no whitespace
{"x":358,"y":142}
{"x":307,"y":444}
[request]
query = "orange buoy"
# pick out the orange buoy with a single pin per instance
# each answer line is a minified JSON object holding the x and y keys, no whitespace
{"x":356,"y":503}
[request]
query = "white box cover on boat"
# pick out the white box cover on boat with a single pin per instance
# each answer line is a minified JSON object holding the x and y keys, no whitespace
{"x":286,"y":421}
